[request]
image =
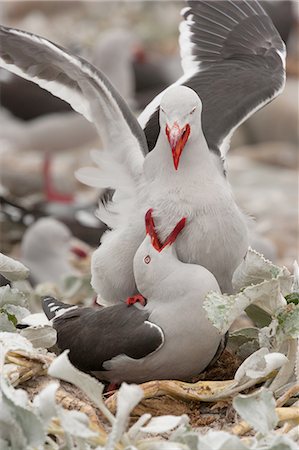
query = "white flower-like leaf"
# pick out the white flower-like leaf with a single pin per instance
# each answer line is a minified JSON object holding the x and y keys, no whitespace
{"x":258,"y":409}
{"x":18,"y":311}
{"x":13,"y":341}
{"x":16,"y":400}
{"x":277,"y":442}
{"x":219,"y":440}
{"x":128,"y":396}
{"x":255,"y":269}
{"x":259,"y":365}
{"x":45,"y":404}
{"x":135,"y":428}
{"x":295,"y":285}
{"x":267,"y":336}
{"x":62,"y":368}
{"x":18,"y":397}
{"x":164,"y":424}
{"x":161,"y":445}
{"x":75,"y":423}
{"x":11,"y":269}
{"x":43,"y":336}
{"x":10,"y":430}
{"x":11,"y":296}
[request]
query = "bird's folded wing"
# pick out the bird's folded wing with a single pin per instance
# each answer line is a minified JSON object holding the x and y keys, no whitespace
{"x":80,"y":84}
{"x":94,"y":337}
{"x":234,"y":58}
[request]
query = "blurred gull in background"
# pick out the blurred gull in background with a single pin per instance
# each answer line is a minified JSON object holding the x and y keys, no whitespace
{"x":47,"y":248}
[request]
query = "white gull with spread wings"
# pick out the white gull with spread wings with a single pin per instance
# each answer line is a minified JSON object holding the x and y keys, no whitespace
{"x":233,"y":58}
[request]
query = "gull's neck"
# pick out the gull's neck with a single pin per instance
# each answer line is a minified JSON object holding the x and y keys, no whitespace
{"x":167,"y":282}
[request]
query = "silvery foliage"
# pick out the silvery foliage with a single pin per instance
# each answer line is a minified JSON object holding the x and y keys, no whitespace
{"x":258,"y":282}
{"x":13,"y":302}
{"x":24,"y":424}
{"x":268,"y":294}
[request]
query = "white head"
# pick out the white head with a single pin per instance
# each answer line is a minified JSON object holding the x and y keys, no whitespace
{"x":46,"y":249}
{"x":153,"y":260}
{"x":46,"y":236}
{"x":180,"y":119}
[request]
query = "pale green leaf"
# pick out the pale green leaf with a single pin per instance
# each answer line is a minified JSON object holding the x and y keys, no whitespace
{"x":6,"y":324}
{"x":223,"y":309}
{"x":254,"y":269}
{"x":243,"y":342}
{"x":11,"y":269}
{"x":43,"y":336}
{"x":220,"y":440}
{"x":257,"y":409}
{"x":259,"y":365}
{"x":259,"y":317}
{"x":288,"y":322}
{"x":268,"y":336}
{"x":160,"y":445}
{"x":277,"y":442}
{"x":16,"y":400}
{"x":12,"y":296}
{"x":164,"y":424}
{"x":18,"y":311}
{"x":295,"y":285}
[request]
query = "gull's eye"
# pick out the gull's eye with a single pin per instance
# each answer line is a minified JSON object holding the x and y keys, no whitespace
{"x":147,"y":259}
{"x":191,"y":112}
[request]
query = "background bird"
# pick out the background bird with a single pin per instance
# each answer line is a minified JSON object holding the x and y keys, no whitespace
{"x":47,"y":248}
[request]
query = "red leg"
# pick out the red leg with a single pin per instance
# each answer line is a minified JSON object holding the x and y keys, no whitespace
{"x":111,"y":388}
{"x":138,"y":298}
{"x":50,"y":193}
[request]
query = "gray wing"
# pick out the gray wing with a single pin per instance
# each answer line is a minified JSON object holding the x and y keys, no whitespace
{"x":95,"y":336}
{"x":72,"y":79}
{"x":234,"y":58}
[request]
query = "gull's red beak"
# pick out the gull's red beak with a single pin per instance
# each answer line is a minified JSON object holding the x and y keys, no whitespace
{"x":151,"y":231}
{"x":177,"y":138}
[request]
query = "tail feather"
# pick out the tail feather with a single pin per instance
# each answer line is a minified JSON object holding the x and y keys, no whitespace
{"x":53,"y":308}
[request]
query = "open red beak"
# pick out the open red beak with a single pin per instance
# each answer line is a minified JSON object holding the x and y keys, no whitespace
{"x":177,"y":138}
{"x":150,"y":229}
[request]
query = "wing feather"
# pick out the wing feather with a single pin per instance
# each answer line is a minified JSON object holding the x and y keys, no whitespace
{"x":80,"y":84}
{"x":233,"y":57}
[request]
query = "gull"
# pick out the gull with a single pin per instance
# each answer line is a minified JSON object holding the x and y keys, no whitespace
{"x":162,"y":333}
{"x":46,"y":249}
